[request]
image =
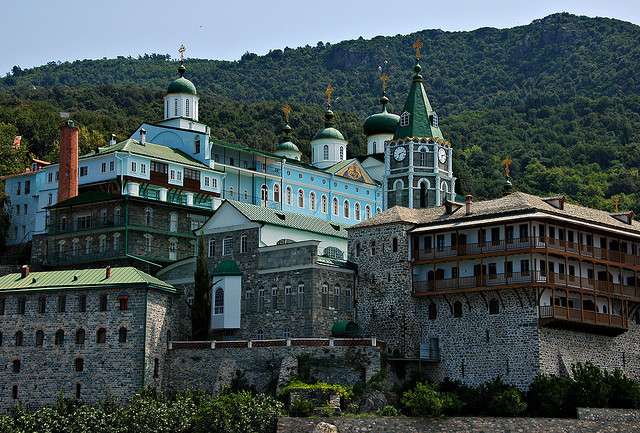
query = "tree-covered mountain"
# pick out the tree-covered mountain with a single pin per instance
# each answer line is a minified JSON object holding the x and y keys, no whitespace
{"x":560,"y":97}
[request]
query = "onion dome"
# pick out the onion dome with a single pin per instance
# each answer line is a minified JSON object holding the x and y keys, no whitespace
{"x":181,"y":84}
{"x":381,"y":123}
{"x":328,"y":131}
{"x":287,"y":148}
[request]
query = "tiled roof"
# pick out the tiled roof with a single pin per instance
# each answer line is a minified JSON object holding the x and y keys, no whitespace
{"x":517,"y":202}
{"x":288,"y":219}
{"x":151,"y":150}
{"x":81,"y":278}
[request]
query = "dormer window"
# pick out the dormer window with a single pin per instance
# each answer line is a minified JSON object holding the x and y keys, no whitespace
{"x":404,"y":119}
{"x":624,"y":217}
{"x":197,"y":145}
{"x":557,"y":202}
{"x":434,"y":120}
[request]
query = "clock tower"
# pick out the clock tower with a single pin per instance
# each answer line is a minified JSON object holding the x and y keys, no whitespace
{"x":417,"y":161}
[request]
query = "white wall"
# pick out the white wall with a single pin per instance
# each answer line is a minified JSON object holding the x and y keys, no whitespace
{"x":231,"y":316}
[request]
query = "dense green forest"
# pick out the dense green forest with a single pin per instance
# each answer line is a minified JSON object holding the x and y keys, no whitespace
{"x":560,"y":97}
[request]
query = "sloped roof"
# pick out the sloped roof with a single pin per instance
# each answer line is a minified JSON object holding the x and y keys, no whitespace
{"x":342,"y":169}
{"x":151,"y":150}
{"x":227,"y":268}
{"x":88,"y":197}
{"x":81,"y":279}
{"x":292,"y":220}
{"x":517,"y":202}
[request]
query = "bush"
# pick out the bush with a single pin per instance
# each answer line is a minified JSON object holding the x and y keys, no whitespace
{"x":451,"y":404}
{"x":388,"y":410}
{"x":424,"y":400}
{"x":590,"y":385}
{"x":508,"y":402}
{"x":301,"y":408}
{"x":624,"y":392}
{"x":551,"y":396}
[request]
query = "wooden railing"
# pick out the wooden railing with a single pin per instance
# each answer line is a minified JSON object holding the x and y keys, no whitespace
{"x":583,"y":316}
{"x":506,"y":280}
{"x":529,"y":244}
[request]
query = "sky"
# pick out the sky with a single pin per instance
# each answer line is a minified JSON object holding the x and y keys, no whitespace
{"x":35,"y":32}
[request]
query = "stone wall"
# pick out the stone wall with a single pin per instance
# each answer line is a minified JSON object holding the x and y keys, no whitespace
{"x":385,"y":307}
{"x":559,"y":349}
{"x":194,"y":366}
{"x":477,"y":346}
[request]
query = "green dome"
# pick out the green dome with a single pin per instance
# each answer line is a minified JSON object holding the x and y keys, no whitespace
{"x":287,"y":146}
{"x":181,"y":85}
{"x":330,"y":132}
{"x":381,"y":123}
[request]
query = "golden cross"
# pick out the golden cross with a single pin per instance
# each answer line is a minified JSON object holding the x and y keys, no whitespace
{"x":418,"y":46}
{"x":616,"y":203}
{"x":506,"y":165}
{"x":385,"y":79}
{"x":328,"y":93}
{"x":286,"y":109}
{"x":181,"y":50}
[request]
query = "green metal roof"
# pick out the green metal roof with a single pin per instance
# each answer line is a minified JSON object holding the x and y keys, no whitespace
{"x":381,"y":123}
{"x":287,"y":146}
{"x":330,"y":132}
{"x":227,"y":268}
{"x":420,"y":111}
{"x":91,"y":196}
{"x":345,"y":328}
{"x":82,"y":279}
{"x":181,"y":85}
{"x":151,"y":150}
{"x":288,"y":219}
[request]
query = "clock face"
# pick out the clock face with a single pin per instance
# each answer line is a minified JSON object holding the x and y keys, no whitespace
{"x":442,"y":155}
{"x":400,"y":153}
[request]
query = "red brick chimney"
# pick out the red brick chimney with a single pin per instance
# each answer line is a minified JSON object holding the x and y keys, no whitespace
{"x":68,"y":169}
{"x":24,"y":271}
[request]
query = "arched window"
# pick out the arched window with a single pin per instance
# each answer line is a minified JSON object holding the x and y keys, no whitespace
{"x":173,"y":222}
{"x":148,"y":217}
{"x":404,"y":119}
{"x":186,"y":111}
{"x":116,"y":241}
{"x":398,"y":186}
{"x":325,"y":152}
{"x":494,"y":306}
{"x":173,"y":249}
{"x":175,"y":107}
{"x":196,"y":144}
{"x":336,"y":297}
{"x":325,"y":295}
{"x":59,"y":338}
{"x":39,"y":338}
{"x":336,"y":208}
{"x":75,"y":247}
{"x":312,"y":200}
{"x":122,"y":335}
{"x":444,"y":187}
{"x":101,"y":336}
{"x":346,"y":208}
{"x":19,"y":338}
{"x":264,"y":194}
{"x":288,"y":195}
{"x":87,"y":245}
{"x":148,"y":243}
{"x":373,"y":248}
{"x":324,"y":203}
{"x":433,"y":311}
{"x":356,"y":211}
{"x":457,"y":309}
{"x":260,"y":334}
{"x":300,"y":198}
{"x":423,"y":157}
{"x":80,"y":336}
{"x":16,"y":366}
{"x":341,"y":153}
{"x":358,"y":248}
{"x":219,"y":301}
{"x":301,"y":295}
{"x":367,"y":211}
{"x":102,"y":243}
{"x":276,"y":193}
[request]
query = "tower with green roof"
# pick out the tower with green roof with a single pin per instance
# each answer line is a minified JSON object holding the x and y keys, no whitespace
{"x":182,"y":98}
{"x":380,"y":127}
{"x":328,"y":146}
{"x":418,"y":169}
{"x":287,"y":148}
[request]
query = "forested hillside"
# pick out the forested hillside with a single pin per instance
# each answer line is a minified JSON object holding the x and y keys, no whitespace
{"x":560,"y":97}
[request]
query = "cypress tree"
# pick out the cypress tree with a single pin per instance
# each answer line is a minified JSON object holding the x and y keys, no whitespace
{"x":201,"y":308}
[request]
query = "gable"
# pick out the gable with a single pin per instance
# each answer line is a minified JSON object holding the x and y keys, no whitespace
{"x":355,"y":171}
{"x":225,"y":218}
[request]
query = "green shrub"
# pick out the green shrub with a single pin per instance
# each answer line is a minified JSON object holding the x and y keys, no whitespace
{"x":424,"y":400}
{"x":508,"y":402}
{"x":301,"y":408}
{"x":623,"y":392}
{"x":345,"y":392}
{"x":590,"y":385}
{"x":388,"y":410}
{"x":551,"y":396}
{"x":451,"y":404}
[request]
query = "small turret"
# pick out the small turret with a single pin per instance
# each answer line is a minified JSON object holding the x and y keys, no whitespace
{"x":287,"y":148}
{"x":380,"y":127}
{"x":182,"y":98}
{"x":328,"y":146}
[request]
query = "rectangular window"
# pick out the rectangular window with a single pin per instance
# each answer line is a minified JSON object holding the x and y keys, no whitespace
{"x":524,"y":231}
{"x":509,"y":234}
{"x":524,"y":267}
{"x":508,"y":268}
{"x":143,"y":168}
{"x":133,"y":166}
{"x":42,"y":305}
{"x":212,"y":247}
{"x":173,"y":175}
{"x":22,"y":305}
{"x":243,"y":244}
{"x":179,"y":176}
{"x":82,"y":303}
{"x":191,"y":174}
{"x":62,"y":303}
{"x":287,"y":296}
{"x":440,"y":242}
{"x":103,"y":302}
{"x":50,"y":177}
{"x":493,"y":270}
{"x":84,"y":170}
{"x":124,"y":303}
{"x":495,"y":235}
{"x":103,"y":167}
{"x":159,"y":167}
{"x":111,"y":165}
{"x":27,"y":186}
{"x":227,"y":246}
{"x":347,"y":299}
{"x":454,"y":272}
{"x":274,"y":298}
{"x":18,"y":188}
{"x":214,"y":182}
{"x":206,"y":181}
{"x":156,"y":368}
{"x":2,"y":305}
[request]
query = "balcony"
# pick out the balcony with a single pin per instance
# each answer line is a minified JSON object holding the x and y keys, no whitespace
{"x":94,"y":224}
{"x":582,"y":320}
{"x":529,"y":244}
{"x":522,"y":279}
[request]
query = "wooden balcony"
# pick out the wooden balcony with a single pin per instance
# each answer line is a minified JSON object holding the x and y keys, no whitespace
{"x":525,"y":245}
{"x":581,"y":319}
{"x":522,"y":279}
